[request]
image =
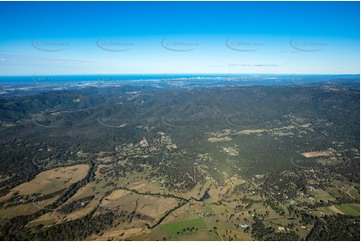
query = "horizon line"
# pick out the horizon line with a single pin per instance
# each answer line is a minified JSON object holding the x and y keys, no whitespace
{"x":119,"y":74}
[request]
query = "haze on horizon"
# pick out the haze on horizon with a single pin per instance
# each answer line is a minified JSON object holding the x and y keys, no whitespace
{"x":60,"y":38}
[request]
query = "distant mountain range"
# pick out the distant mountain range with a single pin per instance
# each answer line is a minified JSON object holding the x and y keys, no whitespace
{"x":24,"y":85}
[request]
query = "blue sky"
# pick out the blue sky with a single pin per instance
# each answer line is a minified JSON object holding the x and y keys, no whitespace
{"x":179,"y":37}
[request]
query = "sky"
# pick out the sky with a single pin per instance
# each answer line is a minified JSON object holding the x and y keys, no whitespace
{"x":66,"y":38}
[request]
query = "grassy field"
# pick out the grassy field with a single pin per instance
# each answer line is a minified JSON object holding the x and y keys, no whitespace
{"x":354,"y":193}
{"x":349,"y":209}
{"x":202,"y":235}
{"x":52,"y":180}
{"x":82,"y":212}
{"x":43,"y":222}
{"x":322,"y":195}
{"x":23,"y":209}
{"x":147,"y":204}
{"x":152,"y":207}
{"x":172,"y":228}
{"x":6,"y":212}
{"x":325,"y":210}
